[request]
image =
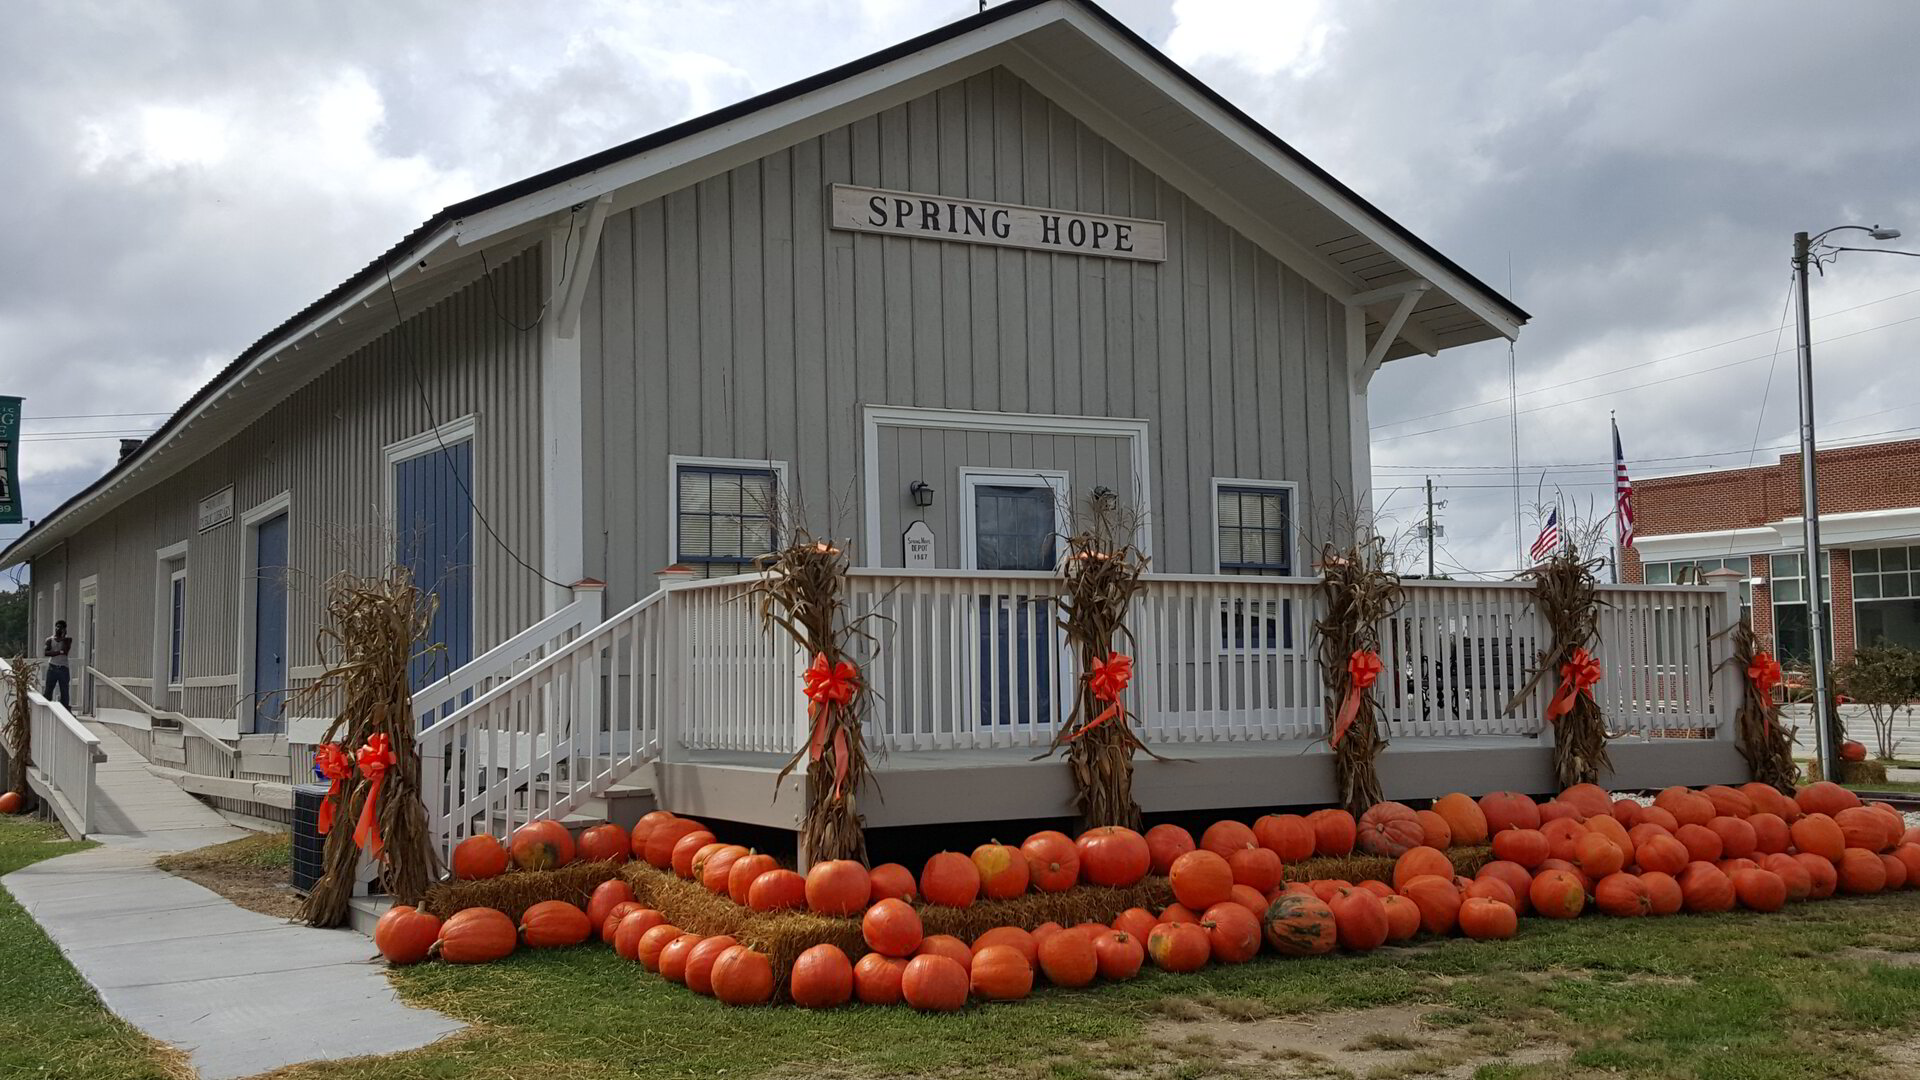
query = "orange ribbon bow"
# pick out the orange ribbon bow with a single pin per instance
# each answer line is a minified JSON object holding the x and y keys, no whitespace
{"x":330,"y":760}
{"x":374,"y":759}
{"x":827,"y":685}
{"x":1765,"y":674}
{"x":1363,"y":667}
{"x":1110,"y":677}
{"x":1577,"y":676}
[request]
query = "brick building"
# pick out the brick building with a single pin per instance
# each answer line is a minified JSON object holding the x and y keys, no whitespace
{"x":1750,"y":520}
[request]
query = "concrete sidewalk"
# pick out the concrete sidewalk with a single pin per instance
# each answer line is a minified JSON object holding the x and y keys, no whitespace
{"x":240,"y":992}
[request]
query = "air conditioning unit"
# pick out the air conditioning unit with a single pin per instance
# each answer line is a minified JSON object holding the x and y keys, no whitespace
{"x":308,"y":844}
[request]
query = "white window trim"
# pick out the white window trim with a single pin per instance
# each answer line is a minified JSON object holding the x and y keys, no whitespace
{"x":250,"y":523}
{"x":163,"y":615}
{"x":1056,"y":480}
{"x":675,"y":461}
{"x":875,"y":417}
{"x":178,"y":576}
{"x":1292,"y":488}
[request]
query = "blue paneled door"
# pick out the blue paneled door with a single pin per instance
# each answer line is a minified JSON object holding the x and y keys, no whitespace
{"x":1015,"y":528}
{"x":270,"y":625}
{"x":433,"y":521}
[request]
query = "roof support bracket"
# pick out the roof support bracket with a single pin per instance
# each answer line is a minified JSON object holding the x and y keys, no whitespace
{"x":572,"y":288}
{"x":1409,"y":294}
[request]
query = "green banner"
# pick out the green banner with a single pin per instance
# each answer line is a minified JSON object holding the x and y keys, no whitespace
{"x":9,"y":461}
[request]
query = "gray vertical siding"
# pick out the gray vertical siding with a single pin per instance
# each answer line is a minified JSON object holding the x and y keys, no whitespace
{"x":324,"y":446}
{"x":727,"y":320}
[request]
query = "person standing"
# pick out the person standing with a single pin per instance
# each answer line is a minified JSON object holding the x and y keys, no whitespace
{"x":58,"y":675}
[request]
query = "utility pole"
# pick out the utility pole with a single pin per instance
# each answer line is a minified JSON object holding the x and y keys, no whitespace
{"x":1810,"y":516}
{"x":1429,"y":530}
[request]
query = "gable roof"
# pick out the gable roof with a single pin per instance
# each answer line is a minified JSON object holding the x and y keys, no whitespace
{"x":1073,"y":50}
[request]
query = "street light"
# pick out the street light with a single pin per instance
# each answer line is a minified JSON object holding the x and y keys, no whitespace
{"x":1803,"y":253}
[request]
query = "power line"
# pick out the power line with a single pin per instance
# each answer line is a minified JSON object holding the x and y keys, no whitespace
{"x":93,"y":416}
{"x":1642,"y":364}
{"x":1836,"y":445}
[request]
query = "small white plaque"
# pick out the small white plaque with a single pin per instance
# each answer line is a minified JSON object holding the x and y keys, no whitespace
{"x":918,"y":541}
{"x":216,"y":509}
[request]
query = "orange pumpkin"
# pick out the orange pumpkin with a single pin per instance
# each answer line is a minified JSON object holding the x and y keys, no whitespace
{"x":1437,"y":833}
{"x":892,"y":928}
{"x":476,"y":857}
{"x":1178,"y":913}
{"x":1117,"y":857}
{"x":1233,"y":933}
{"x":891,"y":881}
{"x":1025,"y":943}
{"x":744,"y":871}
{"x":654,"y":942}
{"x":1861,"y":872}
{"x":1256,"y":868}
{"x":1623,"y":896}
{"x":1416,"y":861}
{"x":477,"y":936}
{"x":1823,"y":875}
{"x":1738,"y":839}
{"x":1590,"y":799}
{"x":876,"y":979}
{"x":604,"y":843}
{"x":1484,"y":919}
{"x":1687,"y":806}
{"x":1053,"y":863}
{"x":1165,"y":843}
{"x":1702,"y":843}
{"x":934,"y":984}
{"x":1555,"y":810}
{"x":606,"y":895}
{"x":1863,"y":827}
{"x":1527,"y":847}
{"x":1663,"y":892}
{"x":698,"y":974}
{"x":1818,"y":834}
{"x":1359,"y":920}
{"x":1438,"y":899}
{"x":633,"y":926}
{"x":554,"y":923}
{"x":712,"y":869}
{"x":1179,"y":947}
{"x":1334,"y":832}
{"x":1118,"y":955}
{"x":1910,"y":855}
{"x":664,"y":836}
{"x":1557,"y":894}
{"x":742,"y":976}
{"x":777,"y":890}
{"x":1562,"y":835}
{"x":405,"y":935}
{"x":1516,"y":878}
{"x":1000,"y":973}
{"x":1825,"y":797}
{"x":1491,"y":888}
{"x":1771,"y":836}
{"x":1068,"y":959}
{"x":1706,"y":888}
{"x":686,"y":849}
{"x":1767,"y":800}
{"x":1201,"y":879}
{"x":1626,"y":812}
{"x":1655,"y":815}
{"x":1597,"y":856}
{"x":1759,"y":890}
{"x":1729,"y":802}
{"x":1897,"y":873}
{"x":542,"y":845}
{"x":1378,"y":888}
{"x":615,"y":915}
{"x":1663,"y":853}
{"x":1562,"y":864}
{"x":1614,"y":831}
{"x":1139,"y":922}
{"x":1254,"y":900}
{"x":1403,"y":917}
{"x":1003,"y":870}
{"x":1286,"y":835}
{"x":1794,"y":876}
{"x":1223,"y":838}
{"x":839,"y":887}
{"x":948,"y":946}
{"x":1509,"y":810}
{"x":1390,"y":829}
{"x":643,"y":830}
{"x":822,"y":978}
{"x":1298,"y":925}
{"x":951,"y":880}
{"x":1853,"y":750}
{"x":1464,"y":818}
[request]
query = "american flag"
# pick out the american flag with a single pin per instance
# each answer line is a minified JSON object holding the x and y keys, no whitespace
{"x":1622,"y":493}
{"x":1549,"y":537}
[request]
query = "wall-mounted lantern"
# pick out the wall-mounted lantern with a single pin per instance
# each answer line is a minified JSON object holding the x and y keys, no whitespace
{"x":922,"y":493}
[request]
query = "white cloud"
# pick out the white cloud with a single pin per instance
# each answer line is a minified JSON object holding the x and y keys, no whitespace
{"x":1267,"y":37}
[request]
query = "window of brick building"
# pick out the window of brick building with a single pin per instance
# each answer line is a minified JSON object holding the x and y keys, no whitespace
{"x":1792,"y":640}
{"x":1886,"y":596}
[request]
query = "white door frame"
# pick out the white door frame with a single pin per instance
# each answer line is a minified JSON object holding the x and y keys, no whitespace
{"x":89,"y":598}
{"x":250,"y":522}
{"x":1055,"y":480}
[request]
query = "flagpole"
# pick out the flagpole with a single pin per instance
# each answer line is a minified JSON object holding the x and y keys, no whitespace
{"x":1618,"y":552}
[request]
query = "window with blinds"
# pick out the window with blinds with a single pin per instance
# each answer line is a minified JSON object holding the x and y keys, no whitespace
{"x":1256,"y":529}
{"x":727,"y":517}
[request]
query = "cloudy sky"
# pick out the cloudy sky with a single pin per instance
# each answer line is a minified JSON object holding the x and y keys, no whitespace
{"x":181,"y":177}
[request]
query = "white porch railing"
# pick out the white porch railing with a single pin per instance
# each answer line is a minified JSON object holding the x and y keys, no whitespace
{"x":966,"y":660}
{"x":515,"y":654}
{"x":64,"y":755}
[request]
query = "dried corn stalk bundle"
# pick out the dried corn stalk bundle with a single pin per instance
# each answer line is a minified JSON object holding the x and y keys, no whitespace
{"x":19,"y":678}
{"x":802,"y":591}
{"x":375,"y":630}
{"x":1100,"y":578}
{"x":1357,"y":593}
{"x":1764,"y":741}
{"x":1566,"y":593}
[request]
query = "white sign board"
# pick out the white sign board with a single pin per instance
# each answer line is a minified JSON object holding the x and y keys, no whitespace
{"x":216,"y":509}
{"x":918,"y":542}
{"x":969,"y":221}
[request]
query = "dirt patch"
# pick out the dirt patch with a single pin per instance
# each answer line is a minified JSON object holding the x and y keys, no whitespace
{"x":251,"y":871}
{"x":1384,"y":1042}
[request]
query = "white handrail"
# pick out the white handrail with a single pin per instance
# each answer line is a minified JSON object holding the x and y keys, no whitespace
{"x":194,"y":727}
{"x":65,"y":755}
{"x":585,"y":611}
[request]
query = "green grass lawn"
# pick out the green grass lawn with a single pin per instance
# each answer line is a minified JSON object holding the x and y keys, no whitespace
{"x":53,"y":1024}
{"x":1814,"y":992}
